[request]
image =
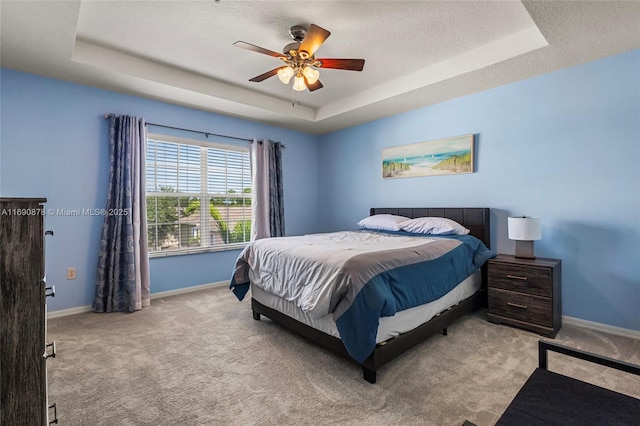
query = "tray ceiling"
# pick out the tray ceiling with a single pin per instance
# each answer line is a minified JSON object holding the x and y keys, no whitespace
{"x":417,"y":52}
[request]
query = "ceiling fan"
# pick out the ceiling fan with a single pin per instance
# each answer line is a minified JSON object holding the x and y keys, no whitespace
{"x":299,"y":59}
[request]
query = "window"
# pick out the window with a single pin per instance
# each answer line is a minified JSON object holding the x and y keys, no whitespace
{"x":182,"y":176}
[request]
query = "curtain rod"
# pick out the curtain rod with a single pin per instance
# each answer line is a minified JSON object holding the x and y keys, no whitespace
{"x":188,"y":130}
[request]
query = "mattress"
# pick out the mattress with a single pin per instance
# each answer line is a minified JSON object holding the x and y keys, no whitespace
{"x":358,"y":277}
{"x":389,"y":327}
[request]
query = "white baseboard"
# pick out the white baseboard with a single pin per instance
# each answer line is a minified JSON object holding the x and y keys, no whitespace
{"x":626,"y":332}
{"x":188,"y":289}
{"x":83,"y":309}
{"x":67,"y":312}
{"x":634,"y":334}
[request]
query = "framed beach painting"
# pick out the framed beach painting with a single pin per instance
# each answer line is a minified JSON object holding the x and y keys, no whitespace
{"x":438,"y":157}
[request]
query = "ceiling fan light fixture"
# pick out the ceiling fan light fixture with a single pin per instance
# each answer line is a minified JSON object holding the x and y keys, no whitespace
{"x":285,"y":74}
{"x":299,"y":60}
{"x":298,"y":83}
{"x":311,"y":74}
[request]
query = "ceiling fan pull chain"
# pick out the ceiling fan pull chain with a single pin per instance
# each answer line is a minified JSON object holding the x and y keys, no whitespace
{"x":295,"y":97}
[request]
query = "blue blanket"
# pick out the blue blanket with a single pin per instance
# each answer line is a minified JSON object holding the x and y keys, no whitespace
{"x":405,"y":287}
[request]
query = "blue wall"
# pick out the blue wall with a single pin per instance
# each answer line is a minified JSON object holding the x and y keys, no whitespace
{"x":563,"y":146}
{"x":53,"y":144}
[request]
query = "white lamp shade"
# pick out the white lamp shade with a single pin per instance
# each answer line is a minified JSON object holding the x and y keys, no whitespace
{"x":311,"y":74}
{"x":298,"y":83}
{"x":524,"y":228}
{"x":285,"y":74}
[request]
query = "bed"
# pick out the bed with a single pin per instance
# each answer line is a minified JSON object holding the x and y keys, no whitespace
{"x":356,"y":321}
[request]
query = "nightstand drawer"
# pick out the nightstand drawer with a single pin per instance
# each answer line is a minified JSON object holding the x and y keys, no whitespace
{"x":526,"y":279}
{"x":522,"y":307}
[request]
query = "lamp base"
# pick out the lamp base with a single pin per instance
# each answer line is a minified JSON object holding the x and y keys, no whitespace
{"x":524,"y":249}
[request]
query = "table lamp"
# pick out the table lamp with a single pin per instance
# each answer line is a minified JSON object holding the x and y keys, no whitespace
{"x":524,"y":230}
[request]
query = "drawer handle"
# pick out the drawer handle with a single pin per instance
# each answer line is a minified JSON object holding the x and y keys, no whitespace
{"x":51,"y":345}
{"x":517,"y":277}
{"x":55,"y":414}
{"x":50,"y":291}
{"x":517,"y":305}
{"x":48,"y":232}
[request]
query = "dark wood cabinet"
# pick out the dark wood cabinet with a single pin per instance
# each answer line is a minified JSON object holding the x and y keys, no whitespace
{"x":526,"y":293}
{"x":23,"y":347}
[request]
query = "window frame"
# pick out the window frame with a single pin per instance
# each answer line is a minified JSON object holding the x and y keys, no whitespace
{"x":205,"y":219}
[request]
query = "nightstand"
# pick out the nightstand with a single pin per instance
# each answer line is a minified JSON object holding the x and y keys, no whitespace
{"x":525,"y":293}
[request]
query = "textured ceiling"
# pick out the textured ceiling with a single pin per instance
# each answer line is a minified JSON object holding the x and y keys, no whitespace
{"x":417,"y":52}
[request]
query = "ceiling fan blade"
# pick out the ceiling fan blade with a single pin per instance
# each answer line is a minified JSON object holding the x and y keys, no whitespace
{"x":314,"y":38}
{"x":254,"y":48}
{"x":342,"y":64}
{"x":265,"y":75}
{"x":315,"y":86}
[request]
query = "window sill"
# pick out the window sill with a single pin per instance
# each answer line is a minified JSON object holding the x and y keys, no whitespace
{"x":199,"y":250}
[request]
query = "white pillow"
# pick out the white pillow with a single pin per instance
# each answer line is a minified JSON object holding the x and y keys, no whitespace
{"x":433,"y":226}
{"x":383,"y":222}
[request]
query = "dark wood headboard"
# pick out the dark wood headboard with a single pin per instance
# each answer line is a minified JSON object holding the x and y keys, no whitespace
{"x":476,"y":219}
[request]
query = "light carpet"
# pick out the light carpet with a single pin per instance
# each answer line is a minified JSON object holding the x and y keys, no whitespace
{"x":200,"y":359}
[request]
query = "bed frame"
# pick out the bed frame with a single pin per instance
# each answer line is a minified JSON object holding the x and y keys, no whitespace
{"x":474,"y":219}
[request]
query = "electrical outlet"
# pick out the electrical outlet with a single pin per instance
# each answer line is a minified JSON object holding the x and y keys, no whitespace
{"x":71,"y":273}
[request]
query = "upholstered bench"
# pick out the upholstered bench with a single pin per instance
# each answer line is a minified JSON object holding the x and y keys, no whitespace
{"x":549,"y":398}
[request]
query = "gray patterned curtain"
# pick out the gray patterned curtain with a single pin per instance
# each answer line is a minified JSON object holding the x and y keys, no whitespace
{"x":276,"y":206}
{"x":267,"y":202}
{"x":122,"y":283}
